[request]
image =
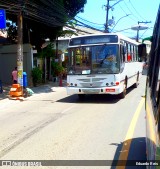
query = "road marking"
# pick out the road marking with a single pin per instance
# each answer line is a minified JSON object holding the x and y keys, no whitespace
{"x":150,"y":124}
{"x":128,"y":139}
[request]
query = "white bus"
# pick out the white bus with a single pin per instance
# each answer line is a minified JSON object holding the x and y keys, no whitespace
{"x":104,"y":63}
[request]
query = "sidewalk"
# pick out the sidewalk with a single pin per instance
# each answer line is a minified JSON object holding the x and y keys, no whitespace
{"x":39,"y":89}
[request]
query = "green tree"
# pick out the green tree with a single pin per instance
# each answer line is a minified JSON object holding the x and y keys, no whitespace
{"x":48,"y":51}
{"x":42,"y":19}
{"x":57,"y":69}
{"x":74,"y":7}
{"x":36,"y":76}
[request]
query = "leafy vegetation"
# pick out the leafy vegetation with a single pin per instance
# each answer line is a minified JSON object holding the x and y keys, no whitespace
{"x":47,"y":21}
{"x":57,"y":69}
{"x":36,"y":76}
{"x":48,"y":51}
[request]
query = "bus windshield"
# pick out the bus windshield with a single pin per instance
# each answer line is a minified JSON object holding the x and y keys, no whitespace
{"x":98,"y":59}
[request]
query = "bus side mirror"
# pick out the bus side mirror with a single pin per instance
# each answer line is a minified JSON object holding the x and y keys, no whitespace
{"x":142,"y":51}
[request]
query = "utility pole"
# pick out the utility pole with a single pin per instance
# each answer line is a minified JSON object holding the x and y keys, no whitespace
{"x":20,"y":49}
{"x":108,"y":7}
{"x":137,"y":38}
{"x":17,"y":90}
{"x":107,"y":14}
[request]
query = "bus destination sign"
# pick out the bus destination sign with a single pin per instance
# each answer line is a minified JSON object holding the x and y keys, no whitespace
{"x":97,"y":39}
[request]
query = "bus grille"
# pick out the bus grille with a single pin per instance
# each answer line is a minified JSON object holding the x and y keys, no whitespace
{"x":97,"y":84}
{"x":84,"y":80}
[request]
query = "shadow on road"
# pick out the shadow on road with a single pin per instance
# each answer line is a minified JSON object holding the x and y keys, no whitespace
{"x":136,"y":152}
{"x":94,"y":98}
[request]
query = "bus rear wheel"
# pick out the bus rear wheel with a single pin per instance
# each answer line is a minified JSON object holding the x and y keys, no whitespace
{"x":137,"y":81}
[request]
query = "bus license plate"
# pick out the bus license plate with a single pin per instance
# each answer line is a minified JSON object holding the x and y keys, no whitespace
{"x":90,"y":90}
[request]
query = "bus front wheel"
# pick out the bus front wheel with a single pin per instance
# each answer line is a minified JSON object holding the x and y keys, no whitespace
{"x":123,"y":94}
{"x":137,"y":81}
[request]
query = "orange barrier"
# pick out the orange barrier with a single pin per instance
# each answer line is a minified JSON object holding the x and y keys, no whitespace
{"x":16,"y":90}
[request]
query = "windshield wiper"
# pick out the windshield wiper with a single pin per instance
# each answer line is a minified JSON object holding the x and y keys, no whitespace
{"x":104,"y":59}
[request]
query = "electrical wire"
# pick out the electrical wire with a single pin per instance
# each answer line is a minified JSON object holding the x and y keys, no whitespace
{"x":33,"y":11}
{"x":88,"y":21}
{"x":136,"y":10}
{"x":50,"y":13}
{"x":127,"y":14}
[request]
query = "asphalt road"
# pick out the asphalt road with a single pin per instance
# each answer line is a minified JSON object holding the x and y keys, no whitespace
{"x":53,"y":126}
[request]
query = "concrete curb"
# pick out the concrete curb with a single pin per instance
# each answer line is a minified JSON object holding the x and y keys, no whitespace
{"x":46,"y":88}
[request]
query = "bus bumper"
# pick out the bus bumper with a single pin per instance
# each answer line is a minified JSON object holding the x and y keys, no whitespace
{"x":114,"y":90}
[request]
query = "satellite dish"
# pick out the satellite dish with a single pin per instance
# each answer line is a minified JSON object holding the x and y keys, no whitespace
{"x":139,"y":27}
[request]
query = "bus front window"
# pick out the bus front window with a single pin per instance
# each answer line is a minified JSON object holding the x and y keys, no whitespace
{"x":105,"y":59}
{"x":81,"y":61}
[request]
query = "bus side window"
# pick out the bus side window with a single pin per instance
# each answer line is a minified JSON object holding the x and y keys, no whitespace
{"x":129,"y":57}
{"x":131,"y":46}
{"x":126,"y":59}
{"x":134,"y":58}
{"x":122,"y":53}
{"x":136,"y":53}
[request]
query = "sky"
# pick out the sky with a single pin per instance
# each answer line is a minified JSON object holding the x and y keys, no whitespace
{"x":126,"y":14}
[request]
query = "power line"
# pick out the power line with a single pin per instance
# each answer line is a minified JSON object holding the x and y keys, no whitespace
{"x":126,"y":12}
{"x":136,"y":10}
{"x":88,"y":21}
{"x":129,"y":10}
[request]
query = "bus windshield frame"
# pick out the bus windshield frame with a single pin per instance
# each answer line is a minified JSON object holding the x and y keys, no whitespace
{"x":94,"y":59}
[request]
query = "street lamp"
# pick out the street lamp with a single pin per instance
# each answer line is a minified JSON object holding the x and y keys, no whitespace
{"x":119,"y":20}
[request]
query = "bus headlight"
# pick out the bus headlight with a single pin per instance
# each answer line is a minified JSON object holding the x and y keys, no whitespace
{"x":107,"y":84}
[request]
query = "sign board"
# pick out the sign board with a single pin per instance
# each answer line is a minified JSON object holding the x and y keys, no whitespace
{"x":2,"y":19}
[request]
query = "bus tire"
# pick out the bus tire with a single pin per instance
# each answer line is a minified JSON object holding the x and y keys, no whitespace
{"x":123,"y":94}
{"x":137,"y":81}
